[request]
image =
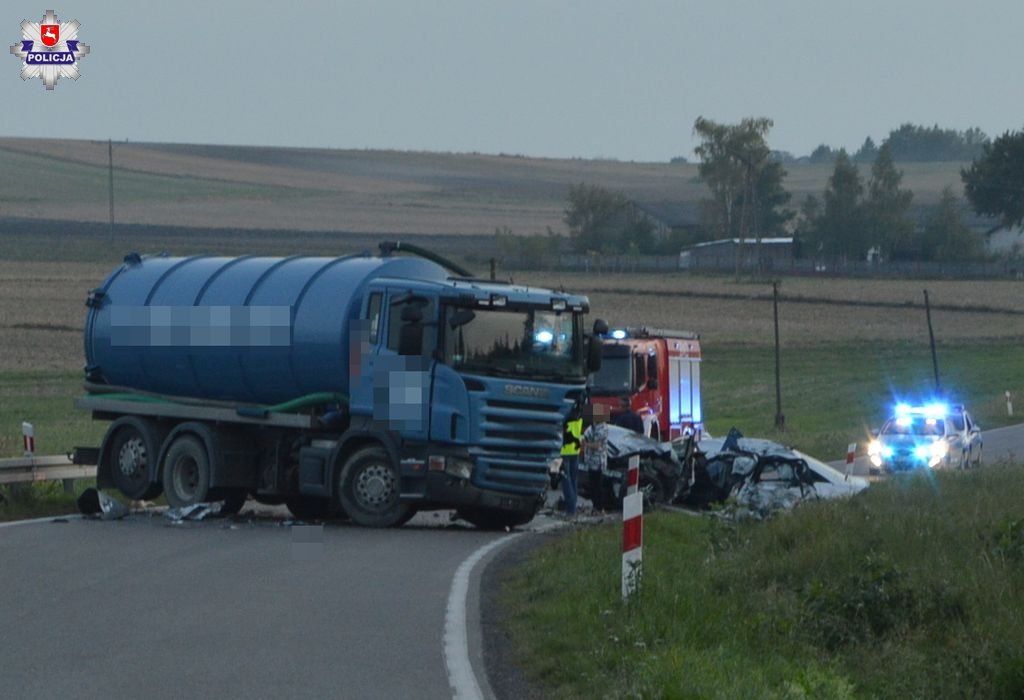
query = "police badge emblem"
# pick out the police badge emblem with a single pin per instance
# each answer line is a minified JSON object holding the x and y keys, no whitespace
{"x":50,"y":50}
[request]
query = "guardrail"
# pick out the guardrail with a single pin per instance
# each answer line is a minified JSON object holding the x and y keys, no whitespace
{"x":19,"y":470}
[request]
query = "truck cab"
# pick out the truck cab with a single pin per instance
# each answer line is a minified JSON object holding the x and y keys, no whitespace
{"x":658,"y":370}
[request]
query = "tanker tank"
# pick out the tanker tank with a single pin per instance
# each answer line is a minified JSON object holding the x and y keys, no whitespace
{"x":248,"y":329}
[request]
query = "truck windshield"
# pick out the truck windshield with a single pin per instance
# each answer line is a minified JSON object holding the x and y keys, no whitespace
{"x":613,"y":377}
{"x":515,"y":341}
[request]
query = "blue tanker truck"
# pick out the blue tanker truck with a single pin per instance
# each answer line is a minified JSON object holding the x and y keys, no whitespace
{"x":363,"y":386}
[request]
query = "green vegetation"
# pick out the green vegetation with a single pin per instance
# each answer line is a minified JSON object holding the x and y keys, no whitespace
{"x":994,"y":183}
{"x":833,"y":395}
{"x":45,"y":400}
{"x":911,"y":589}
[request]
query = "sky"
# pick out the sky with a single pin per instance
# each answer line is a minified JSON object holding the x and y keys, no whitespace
{"x":547,"y":78}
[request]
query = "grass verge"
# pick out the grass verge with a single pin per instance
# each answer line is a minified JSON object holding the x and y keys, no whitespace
{"x":912,"y":589}
{"x":834,"y":394}
{"x":45,"y":400}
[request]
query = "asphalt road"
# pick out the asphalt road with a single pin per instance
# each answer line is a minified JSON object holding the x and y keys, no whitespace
{"x":144,"y":608}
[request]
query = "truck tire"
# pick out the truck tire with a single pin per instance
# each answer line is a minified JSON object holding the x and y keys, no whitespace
{"x":488,"y":519}
{"x":186,"y":472}
{"x":134,"y":444}
{"x":368,"y":489}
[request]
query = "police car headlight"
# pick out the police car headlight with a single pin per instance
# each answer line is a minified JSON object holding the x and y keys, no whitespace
{"x":459,"y":468}
{"x":874,"y":447}
{"x":937,"y":452}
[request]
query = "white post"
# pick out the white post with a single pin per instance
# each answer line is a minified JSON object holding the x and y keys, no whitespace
{"x":28,"y":439}
{"x":632,"y":530}
{"x":851,"y":451}
{"x":1009,"y":404}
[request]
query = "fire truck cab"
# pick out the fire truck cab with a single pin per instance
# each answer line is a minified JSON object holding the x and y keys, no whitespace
{"x":659,"y":370}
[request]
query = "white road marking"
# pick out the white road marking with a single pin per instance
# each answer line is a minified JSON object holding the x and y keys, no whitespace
{"x":456,"y":635}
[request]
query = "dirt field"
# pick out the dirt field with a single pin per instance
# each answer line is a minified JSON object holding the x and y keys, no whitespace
{"x":354,"y":191}
{"x":42,"y":310}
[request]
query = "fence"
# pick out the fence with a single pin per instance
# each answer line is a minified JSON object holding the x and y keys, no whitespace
{"x":1003,"y":269}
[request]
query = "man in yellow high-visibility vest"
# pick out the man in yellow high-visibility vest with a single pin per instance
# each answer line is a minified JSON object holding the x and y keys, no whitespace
{"x":572,"y":434}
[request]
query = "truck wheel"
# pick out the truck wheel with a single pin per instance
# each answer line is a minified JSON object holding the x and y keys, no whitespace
{"x":487,"y":519}
{"x":134,"y":445}
{"x":186,"y":472}
{"x":309,"y":507}
{"x":368,"y":489}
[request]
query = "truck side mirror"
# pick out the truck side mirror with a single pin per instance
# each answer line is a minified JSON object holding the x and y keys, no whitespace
{"x":593,"y":354}
{"x":600,"y":327}
{"x":460,"y":318}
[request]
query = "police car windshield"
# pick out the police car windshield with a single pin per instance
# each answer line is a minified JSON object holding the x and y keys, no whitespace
{"x":524,"y":342}
{"x":916,"y":425}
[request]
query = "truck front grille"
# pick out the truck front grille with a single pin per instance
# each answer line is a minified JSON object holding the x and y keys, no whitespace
{"x":518,"y":439}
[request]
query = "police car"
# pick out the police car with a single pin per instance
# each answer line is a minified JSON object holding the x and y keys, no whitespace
{"x":935,"y":435}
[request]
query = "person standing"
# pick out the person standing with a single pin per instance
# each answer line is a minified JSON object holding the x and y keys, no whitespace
{"x":595,"y":454}
{"x":573,"y":431}
{"x":627,"y":418}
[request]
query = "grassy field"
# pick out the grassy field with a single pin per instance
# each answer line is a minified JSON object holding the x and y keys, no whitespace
{"x":912,"y":589}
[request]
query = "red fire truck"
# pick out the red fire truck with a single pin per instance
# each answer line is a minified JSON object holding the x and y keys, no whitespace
{"x":659,"y":370}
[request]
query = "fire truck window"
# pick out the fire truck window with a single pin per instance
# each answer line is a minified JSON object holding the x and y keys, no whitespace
{"x":638,"y":372}
{"x":652,"y":367}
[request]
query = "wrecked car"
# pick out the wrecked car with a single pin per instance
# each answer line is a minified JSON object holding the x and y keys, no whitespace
{"x":661,"y":471}
{"x":760,"y":475}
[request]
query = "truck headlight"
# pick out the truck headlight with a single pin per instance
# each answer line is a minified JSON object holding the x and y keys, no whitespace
{"x":459,"y":468}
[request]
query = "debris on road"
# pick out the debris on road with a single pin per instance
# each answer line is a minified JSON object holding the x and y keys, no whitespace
{"x":194,"y":512}
{"x":95,"y":502}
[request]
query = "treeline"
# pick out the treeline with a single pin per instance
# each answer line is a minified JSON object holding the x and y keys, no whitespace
{"x":910,"y":143}
{"x":855,"y":218}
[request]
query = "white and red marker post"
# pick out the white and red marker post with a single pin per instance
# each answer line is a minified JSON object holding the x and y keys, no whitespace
{"x":632,"y":530}
{"x":851,"y":452}
{"x":28,"y":439}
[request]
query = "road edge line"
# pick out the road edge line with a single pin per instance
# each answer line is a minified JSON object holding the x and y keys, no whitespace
{"x":461,"y":677}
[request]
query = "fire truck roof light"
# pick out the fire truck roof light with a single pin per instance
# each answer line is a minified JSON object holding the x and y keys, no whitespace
{"x":618,"y":334}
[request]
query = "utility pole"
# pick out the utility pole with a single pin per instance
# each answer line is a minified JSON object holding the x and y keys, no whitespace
{"x":110,"y":180}
{"x":931,"y":341}
{"x":780,"y":420}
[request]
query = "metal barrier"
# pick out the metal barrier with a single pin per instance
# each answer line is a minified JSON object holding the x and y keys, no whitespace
{"x":20,"y":470}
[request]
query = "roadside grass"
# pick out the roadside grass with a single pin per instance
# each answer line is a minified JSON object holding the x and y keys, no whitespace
{"x":834,"y":394}
{"x":43,"y":499}
{"x":911,"y":589}
{"x":45,"y":400}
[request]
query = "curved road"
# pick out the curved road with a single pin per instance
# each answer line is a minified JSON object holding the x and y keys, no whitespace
{"x":145,"y":608}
